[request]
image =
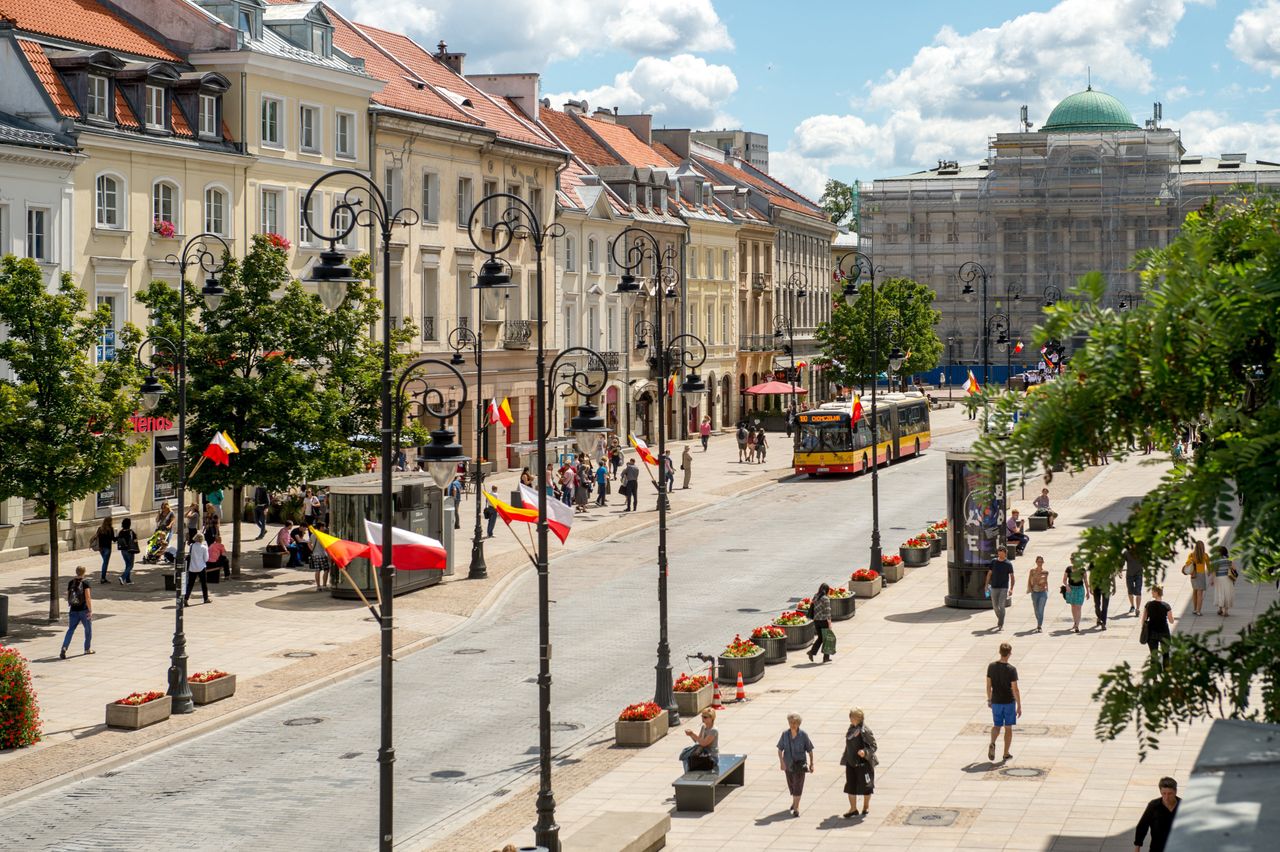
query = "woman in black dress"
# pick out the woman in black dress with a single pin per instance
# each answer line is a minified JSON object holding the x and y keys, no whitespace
{"x":859,"y":763}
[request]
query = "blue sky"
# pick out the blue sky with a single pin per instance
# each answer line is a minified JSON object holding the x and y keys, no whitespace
{"x":855,"y":90}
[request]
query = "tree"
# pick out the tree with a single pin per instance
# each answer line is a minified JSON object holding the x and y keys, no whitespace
{"x":905,"y":317}
{"x":65,"y":424}
{"x":839,"y":203}
{"x":1198,"y":350}
{"x":292,"y":383}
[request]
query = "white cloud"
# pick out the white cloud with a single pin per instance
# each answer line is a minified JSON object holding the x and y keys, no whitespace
{"x":1211,"y":133}
{"x":683,"y":91}
{"x":1255,"y":39}
{"x":527,"y":35}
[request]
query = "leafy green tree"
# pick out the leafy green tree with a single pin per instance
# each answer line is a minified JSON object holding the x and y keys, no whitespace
{"x":289,"y":381}
{"x":838,"y":202}
{"x":64,"y":426}
{"x":1200,"y":349}
{"x":905,"y":317}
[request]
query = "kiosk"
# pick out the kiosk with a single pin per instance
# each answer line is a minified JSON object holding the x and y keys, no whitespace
{"x":975,"y":526}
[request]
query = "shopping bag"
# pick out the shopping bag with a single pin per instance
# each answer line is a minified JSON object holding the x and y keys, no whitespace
{"x":828,"y":641}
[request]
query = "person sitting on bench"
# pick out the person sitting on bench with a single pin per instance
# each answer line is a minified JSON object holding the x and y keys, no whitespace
{"x":1042,"y":507}
{"x":705,"y":751}
{"x":1014,"y":532}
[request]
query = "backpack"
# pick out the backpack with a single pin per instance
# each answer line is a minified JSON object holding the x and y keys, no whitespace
{"x":75,"y":593}
{"x":742,"y":434}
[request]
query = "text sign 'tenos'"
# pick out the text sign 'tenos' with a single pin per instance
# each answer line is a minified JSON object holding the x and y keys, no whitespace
{"x":151,"y":424}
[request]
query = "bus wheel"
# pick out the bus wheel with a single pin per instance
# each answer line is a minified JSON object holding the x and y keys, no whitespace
{"x":864,"y":464}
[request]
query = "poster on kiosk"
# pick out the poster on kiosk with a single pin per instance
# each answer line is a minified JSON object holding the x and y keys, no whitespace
{"x":975,"y":522}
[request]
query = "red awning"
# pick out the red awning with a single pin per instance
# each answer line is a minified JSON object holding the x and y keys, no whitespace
{"x":775,"y":387}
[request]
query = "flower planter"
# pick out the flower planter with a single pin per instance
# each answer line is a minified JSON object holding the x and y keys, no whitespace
{"x":935,"y":546}
{"x":893,"y":573}
{"x":799,"y":635}
{"x":751,"y":668}
{"x":914,"y":557}
{"x":692,"y":703}
{"x":865,"y":588}
{"x":775,"y":650}
{"x":138,"y":716}
{"x":942,"y":540}
{"x":842,"y":608}
{"x":213,"y":690}
{"x":640,"y":733}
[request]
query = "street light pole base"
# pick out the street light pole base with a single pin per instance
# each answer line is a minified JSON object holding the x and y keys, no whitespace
{"x":478,"y":570}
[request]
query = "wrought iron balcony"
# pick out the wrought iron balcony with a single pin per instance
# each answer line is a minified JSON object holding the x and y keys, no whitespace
{"x":428,"y":328}
{"x":614,"y":361}
{"x":759,"y":281}
{"x":516,"y":334}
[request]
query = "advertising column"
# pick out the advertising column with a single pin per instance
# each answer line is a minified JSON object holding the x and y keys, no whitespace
{"x":975,"y":524}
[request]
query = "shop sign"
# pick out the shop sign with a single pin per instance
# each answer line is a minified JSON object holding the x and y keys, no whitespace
{"x":150,"y":424}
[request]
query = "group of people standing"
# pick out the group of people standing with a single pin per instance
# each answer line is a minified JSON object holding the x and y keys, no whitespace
{"x":796,"y":760}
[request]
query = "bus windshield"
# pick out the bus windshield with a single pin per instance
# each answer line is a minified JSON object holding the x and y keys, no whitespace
{"x":825,"y":437}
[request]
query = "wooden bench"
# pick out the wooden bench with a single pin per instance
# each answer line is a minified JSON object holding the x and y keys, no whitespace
{"x":1037,"y":523}
{"x":621,"y":831}
{"x":696,"y":791}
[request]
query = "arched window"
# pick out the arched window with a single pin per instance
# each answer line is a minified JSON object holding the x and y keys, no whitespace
{"x":164,"y":205}
{"x":109,"y":202}
{"x":215,"y":211}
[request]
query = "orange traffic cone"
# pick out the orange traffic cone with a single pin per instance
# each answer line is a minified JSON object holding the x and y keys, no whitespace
{"x":742,"y":690}
{"x":717,"y":703}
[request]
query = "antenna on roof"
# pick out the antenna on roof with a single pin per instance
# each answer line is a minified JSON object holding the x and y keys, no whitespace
{"x":1089,"y":73}
{"x":1022,"y":119}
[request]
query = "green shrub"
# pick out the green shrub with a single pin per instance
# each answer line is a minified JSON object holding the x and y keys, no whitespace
{"x":19,"y":711}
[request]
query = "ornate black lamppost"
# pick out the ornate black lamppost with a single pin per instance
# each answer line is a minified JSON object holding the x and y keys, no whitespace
{"x":786,"y":326}
{"x":464,"y":338}
{"x":633,"y":248}
{"x":1125,"y":300}
{"x":196,"y":253}
{"x":999,"y":325}
{"x":1052,"y":295}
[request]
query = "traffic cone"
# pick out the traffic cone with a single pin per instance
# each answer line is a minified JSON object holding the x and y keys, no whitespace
{"x":742,"y":690}
{"x":717,"y":703}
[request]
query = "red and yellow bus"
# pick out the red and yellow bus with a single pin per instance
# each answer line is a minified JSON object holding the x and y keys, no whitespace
{"x":827,"y":441}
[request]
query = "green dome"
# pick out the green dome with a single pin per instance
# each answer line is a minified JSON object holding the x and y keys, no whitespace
{"x":1088,"y":111}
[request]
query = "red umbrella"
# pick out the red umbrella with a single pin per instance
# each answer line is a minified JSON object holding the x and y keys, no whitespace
{"x":774,"y":387}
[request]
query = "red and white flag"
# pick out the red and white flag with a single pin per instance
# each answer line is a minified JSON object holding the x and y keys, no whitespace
{"x":642,"y":450}
{"x":857,"y":409}
{"x":409,"y":550}
{"x":971,"y":386}
{"x":559,"y":516}
{"x":220,"y":449}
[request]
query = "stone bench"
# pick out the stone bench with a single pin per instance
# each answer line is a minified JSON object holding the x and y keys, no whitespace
{"x":696,"y":791}
{"x":621,"y":831}
{"x":1037,"y":523}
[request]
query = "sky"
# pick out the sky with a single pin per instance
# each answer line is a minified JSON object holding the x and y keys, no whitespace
{"x":854,"y":90}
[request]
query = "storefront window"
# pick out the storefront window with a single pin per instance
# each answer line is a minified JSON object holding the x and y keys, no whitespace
{"x":112,"y":495}
{"x":166,"y":456}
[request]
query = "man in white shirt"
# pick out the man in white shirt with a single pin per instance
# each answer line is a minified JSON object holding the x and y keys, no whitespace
{"x":197,"y":560}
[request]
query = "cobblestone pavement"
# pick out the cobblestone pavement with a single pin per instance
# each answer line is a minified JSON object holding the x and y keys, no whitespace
{"x":302,"y":775}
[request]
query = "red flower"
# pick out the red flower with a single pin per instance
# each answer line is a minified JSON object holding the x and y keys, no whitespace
{"x":691,"y":683}
{"x":279,"y":242}
{"x":642,"y":712}
{"x":889,"y":561}
{"x":794,"y":618}
{"x":205,"y":677}
{"x":137,"y":698}
{"x":741,"y":648}
{"x":769,"y":631}
{"x":865,"y":574}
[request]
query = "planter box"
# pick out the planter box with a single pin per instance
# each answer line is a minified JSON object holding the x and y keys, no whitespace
{"x":727,"y":669}
{"x":775,"y":650}
{"x":842,"y":608}
{"x":935,"y":547}
{"x":865,"y":588}
{"x":133,"y":718}
{"x":893,"y":573}
{"x":640,"y":733}
{"x":214,"y":690}
{"x":272,"y":560}
{"x":914,"y":557}
{"x":800,"y":635}
{"x":1037,"y":523}
{"x":690,"y":704}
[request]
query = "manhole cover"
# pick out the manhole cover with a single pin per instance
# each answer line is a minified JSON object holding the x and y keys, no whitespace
{"x":465,"y":651}
{"x":1022,"y":772}
{"x":303,"y":720}
{"x":448,"y":773}
{"x":748,"y":609}
{"x":300,"y":655}
{"x":932,"y":817}
{"x":737,"y":550}
{"x":1033,"y":730}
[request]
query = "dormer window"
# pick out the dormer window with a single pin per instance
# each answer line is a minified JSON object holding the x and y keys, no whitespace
{"x":155,"y":107}
{"x":209,"y":115}
{"x":98,"y":97}
{"x":320,"y":41}
{"x":245,"y":22}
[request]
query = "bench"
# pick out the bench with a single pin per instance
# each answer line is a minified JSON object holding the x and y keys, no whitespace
{"x":1037,"y":523}
{"x":696,"y":791}
{"x":621,"y":831}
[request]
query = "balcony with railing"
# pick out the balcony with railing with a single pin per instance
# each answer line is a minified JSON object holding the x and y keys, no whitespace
{"x":516,"y":334}
{"x":759,"y":282}
{"x":428,"y":328}
{"x":756,"y":343}
{"x":614,"y":362}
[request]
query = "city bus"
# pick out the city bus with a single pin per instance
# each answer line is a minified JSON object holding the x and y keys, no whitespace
{"x":827,"y":441}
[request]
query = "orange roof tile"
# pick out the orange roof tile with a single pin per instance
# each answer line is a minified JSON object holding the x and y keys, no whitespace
{"x":124,"y":115}
{"x":179,"y":121}
{"x":628,"y":146}
{"x":770,"y":192}
{"x":49,"y":78}
{"x":86,"y":22}
{"x":577,"y":139}
{"x":668,"y":153}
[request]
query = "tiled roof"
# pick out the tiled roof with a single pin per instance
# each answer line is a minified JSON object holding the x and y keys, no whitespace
{"x":49,"y":78}
{"x":178,"y":122}
{"x":578,"y":140}
{"x":124,"y":115}
{"x":86,"y":22}
{"x":627,"y":145}
{"x":571,"y":176}
{"x":761,"y":185}
{"x":667,"y":153}
{"x":19,"y":131}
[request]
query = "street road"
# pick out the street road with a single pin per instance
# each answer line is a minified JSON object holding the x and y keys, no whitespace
{"x":302,"y":776}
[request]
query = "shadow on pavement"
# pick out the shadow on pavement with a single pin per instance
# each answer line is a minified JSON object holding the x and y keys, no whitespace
{"x":838,"y":821}
{"x":980,"y":767}
{"x":937,"y":615}
{"x":772,"y":818}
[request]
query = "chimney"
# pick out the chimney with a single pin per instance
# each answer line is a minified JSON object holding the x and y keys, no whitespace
{"x":453,"y":60}
{"x":640,"y":125}
{"x":603,"y":114}
{"x":576,"y":107}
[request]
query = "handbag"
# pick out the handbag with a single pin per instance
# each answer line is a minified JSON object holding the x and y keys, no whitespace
{"x":1144,"y":633}
{"x":828,"y":641}
{"x":1063,"y":591}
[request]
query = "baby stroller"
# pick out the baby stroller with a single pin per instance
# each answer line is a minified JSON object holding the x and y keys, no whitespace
{"x":157,"y":548}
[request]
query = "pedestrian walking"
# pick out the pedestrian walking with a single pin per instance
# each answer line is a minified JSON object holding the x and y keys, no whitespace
{"x":820,"y":612}
{"x":1000,"y":582}
{"x":490,"y":513}
{"x":742,"y":436}
{"x":615,"y":456}
{"x":686,"y":465}
{"x":1074,"y":592}
{"x":1158,"y":817}
{"x":261,"y":501}
{"x":1223,"y":580}
{"x":704,"y":431}
{"x":1038,"y":588}
{"x":1015,"y":532}
{"x":1042,"y":507}
{"x":1197,"y":568}
{"x":454,"y":493}
{"x":668,"y":471}
{"x":309,"y":503}
{"x":1157,"y":616}
{"x":795,"y":758}
{"x":859,"y":761}
{"x":1004,"y":699}
{"x":197,"y":561}
{"x":79,"y":611}
{"x":631,"y":484}
{"x":103,"y":540}
{"x":1103,"y":588}
{"x":602,"y":484}
{"x":704,"y":753}
{"x":762,"y":445}
{"x":1133,"y":579}
{"x":127,"y":544}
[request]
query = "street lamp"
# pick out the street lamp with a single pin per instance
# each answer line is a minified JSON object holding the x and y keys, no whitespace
{"x":858,"y":265}
{"x":786,"y":325}
{"x":969,"y":272}
{"x":1052,"y":295}
{"x":198,"y":253}
{"x":633,"y":247}
{"x":1125,"y":300}
{"x":999,"y":323}
{"x":365,"y":205}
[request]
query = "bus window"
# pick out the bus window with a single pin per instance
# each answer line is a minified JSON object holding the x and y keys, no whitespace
{"x":862,"y":439}
{"x":837,"y":439}
{"x":825,"y":437}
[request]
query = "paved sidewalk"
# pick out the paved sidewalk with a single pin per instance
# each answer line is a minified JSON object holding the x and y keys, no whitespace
{"x":917,"y":668}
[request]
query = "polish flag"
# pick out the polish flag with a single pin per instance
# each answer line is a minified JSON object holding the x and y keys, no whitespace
{"x":559,"y":516}
{"x":500,"y":412}
{"x":857,"y":409}
{"x":642,"y":450}
{"x":220,"y":449}
{"x":971,"y":387}
{"x":671,"y":385}
{"x":340,"y":551}
{"x":1017,"y":348}
{"x":409,"y":551}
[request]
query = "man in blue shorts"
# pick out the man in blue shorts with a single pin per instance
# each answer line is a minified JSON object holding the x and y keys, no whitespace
{"x":1004,"y":699}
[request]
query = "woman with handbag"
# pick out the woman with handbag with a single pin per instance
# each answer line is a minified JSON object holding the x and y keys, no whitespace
{"x":795,"y":758}
{"x":1074,"y":592}
{"x":859,"y":762}
{"x":705,"y":751}
{"x":1223,"y":580}
{"x":820,"y":612}
{"x":1197,"y":568}
{"x":1156,"y":618}
{"x":102,"y":541}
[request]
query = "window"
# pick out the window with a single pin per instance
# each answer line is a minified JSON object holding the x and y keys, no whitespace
{"x":430,"y":212}
{"x":570,"y":265}
{"x":726,"y":271}
{"x":568,"y":327}
{"x":269,"y":210}
{"x":490,"y":205}
{"x":608,"y":254}
{"x":271,"y":123}
{"x":535,"y":201}
{"x":592,"y":336}
{"x":464,"y":202}
{"x":164,"y":204}
{"x":209,"y":115}
{"x":922,"y":232}
{"x":106,"y":350}
{"x":611,"y":328}
{"x":462,"y":292}
{"x":391,"y":187}
{"x":592,"y":261}
{"x":155,"y":107}
{"x":215,"y":211}
{"x":342,"y":221}
{"x":953,"y":231}
{"x":4,"y":231}
{"x":711,"y":324}
{"x":111,"y":496}
{"x":430,"y":301}
{"x":37,"y":233}
{"x":308,"y":124}
{"x":305,"y":214}
{"x":319,"y":41}
{"x":693,"y":264}
{"x":166,"y":458}
{"x":724,"y":324}
{"x":107,"y":203}
{"x":344,"y":134}
{"x":245,"y":22}
{"x":98,"y":97}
